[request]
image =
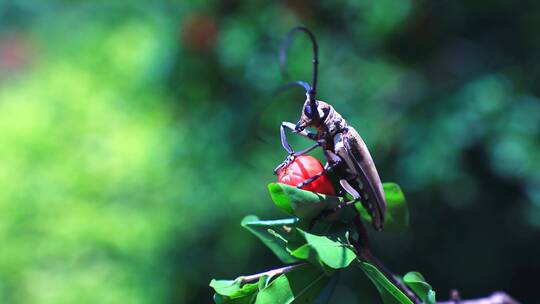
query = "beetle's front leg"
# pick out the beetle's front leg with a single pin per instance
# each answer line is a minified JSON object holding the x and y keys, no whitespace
{"x":292,"y":127}
{"x":292,"y":155}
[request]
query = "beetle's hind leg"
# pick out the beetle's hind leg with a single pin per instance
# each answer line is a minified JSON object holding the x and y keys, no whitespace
{"x":357,"y":195}
{"x":325,"y":213}
{"x":350,"y":189}
{"x":360,"y":196}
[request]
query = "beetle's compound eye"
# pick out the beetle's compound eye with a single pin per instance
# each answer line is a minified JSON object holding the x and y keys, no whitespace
{"x":308,"y":111}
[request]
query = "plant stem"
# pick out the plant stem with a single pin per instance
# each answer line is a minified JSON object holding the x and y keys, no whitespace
{"x":362,"y":247}
{"x":363,"y":250}
{"x":271,"y":273}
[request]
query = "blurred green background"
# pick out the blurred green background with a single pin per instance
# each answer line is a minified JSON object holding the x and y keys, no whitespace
{"x":134,"y":136}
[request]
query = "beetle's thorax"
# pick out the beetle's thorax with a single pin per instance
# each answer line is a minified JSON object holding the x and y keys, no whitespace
{"x":333,"y":124}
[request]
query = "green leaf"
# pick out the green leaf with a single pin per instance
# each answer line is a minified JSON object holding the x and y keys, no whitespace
{"x":306,"y":205}
{"x":273,"y":234}
{"x":280,"y":198}
{"x":418,"y":284}
{"x":303,"y":284}
{"x":264,"y":281}
{"x":233,"y":292}
{"x":219,"y":299}
{"x":232,"y":288}
{"x":431,"y":297}
{"x":390,"y":294}
{"x":396,"y":217}
{"x":335,"y":253}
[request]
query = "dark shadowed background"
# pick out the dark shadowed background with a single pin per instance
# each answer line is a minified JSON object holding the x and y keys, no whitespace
{"x":134,"y":136}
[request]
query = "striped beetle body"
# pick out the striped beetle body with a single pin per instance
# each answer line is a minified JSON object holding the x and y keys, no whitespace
{"x":346,"y":153}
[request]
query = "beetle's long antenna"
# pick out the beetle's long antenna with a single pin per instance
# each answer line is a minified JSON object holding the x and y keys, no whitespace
{"x":283,"y":57}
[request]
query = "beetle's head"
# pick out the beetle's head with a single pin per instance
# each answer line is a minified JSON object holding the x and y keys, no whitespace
{"x":314,"y":113}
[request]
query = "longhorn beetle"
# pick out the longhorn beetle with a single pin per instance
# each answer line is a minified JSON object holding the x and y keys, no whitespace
{"x":345,"y":151}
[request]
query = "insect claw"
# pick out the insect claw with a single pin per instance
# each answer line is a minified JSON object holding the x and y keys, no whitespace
{"x":290,"y":158}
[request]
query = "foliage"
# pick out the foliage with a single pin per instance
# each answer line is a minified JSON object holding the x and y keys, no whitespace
{"x":308,"y":205}
{"x":326,"y":253}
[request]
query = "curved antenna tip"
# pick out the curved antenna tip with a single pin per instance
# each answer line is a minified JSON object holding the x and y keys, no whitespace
{"x":285,"y":47}
{"x":298,"y":83}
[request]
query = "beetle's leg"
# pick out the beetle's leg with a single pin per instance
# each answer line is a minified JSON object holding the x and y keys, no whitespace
{"x":290,"y":158}
{"x":345,"y":184}
{"x":284,"y":141}
{"x":284,"y":163}
{"x":289,"y":149}
{"x":356,"y":198}
{"x":349,"y":189}
{"x":291,"y":126}
{"x":339,"y":147}
{"x":327,"y":168}
{"x":307,"y":150}
{"x":333,"y":161}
